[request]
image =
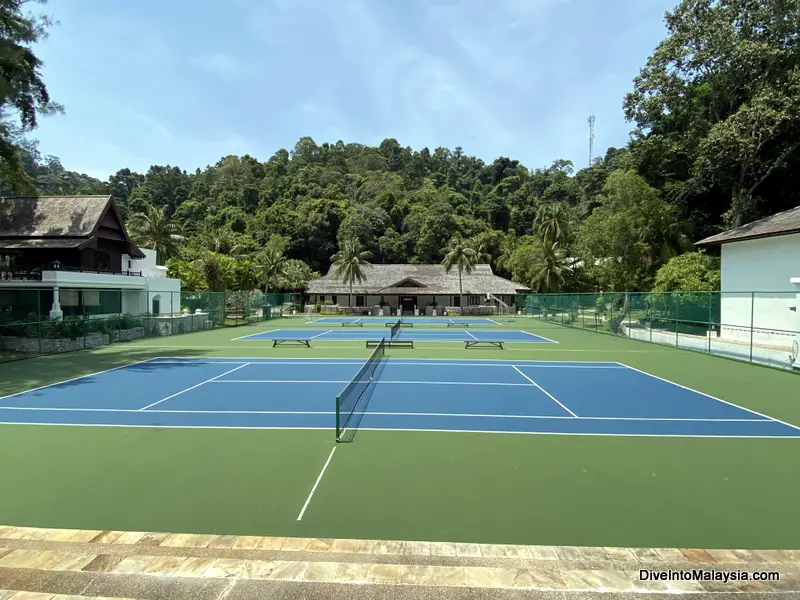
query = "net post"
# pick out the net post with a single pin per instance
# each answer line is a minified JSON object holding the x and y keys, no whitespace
{"x":337,"y":418}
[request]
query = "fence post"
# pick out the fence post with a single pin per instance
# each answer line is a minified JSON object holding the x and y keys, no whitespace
{"x":752,"y":317}
{"x":677,"y":315}
{"x":710,"y":318}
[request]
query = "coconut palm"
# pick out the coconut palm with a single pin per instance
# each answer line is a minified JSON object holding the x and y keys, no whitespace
{"x":508,"y":246}
{"x":481,"y":243}
{"x":297,"y":274}
{"x":552,"y":222}
{"x":153,"y":229}
{"x":273,"y":266}
{"x":218,"y":270}
{"x":549,"y":268}
{"x":463,"y":256}
{"x":349,"y":264}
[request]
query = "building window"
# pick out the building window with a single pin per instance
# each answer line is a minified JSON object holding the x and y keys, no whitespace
{"x":129,"y":265}
{"x":360,"y":301}
{"x":333,"y":299}
{"x":102,"y":261}
{"x":456,"y":301}
{"x":474,"y":300}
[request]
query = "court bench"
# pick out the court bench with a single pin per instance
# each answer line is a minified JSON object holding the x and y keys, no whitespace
{"x":354,"y":324}
{"x":483,"y":344}
{"x":404,"y":325}
{"x":391,"y":343}
{"x":291,"y":341}
{"x":458,"y":324}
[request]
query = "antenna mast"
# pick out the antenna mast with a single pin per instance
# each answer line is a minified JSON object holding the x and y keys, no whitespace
{"x":591,"y":139}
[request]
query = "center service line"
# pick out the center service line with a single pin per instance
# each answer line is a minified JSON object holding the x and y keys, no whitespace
{"x":316,"y":483}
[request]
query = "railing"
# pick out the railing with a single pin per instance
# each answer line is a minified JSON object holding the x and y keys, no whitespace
{"x":36,"y":274}
{"x":758,"y":327}
{"x":96,"y":271}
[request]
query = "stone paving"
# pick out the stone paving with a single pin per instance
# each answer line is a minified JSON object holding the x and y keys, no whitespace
{"x":52,"y":561}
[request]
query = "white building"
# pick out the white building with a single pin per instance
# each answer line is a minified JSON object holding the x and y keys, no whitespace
{"x":72,"y":256}
{"x":761,"y":281}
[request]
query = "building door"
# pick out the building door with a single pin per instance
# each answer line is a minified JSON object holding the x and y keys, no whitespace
{"x":156,"y":305}
{"x":407,"y":304}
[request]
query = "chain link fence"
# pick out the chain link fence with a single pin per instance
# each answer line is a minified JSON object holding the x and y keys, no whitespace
{"x":93,"y":318}
{"x":758,"y":327}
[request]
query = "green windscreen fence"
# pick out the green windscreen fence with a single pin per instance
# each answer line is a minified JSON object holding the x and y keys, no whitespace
{"x":761,"y":327}
{"x":92,"y":318}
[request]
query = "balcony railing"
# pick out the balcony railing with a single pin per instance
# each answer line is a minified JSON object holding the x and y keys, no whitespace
{"x":36,"y":274}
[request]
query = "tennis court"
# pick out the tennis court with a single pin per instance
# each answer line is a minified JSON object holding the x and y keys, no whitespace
{"x":567,"y":398}
{"x":415,"y":335}
{"x":592,"y":440}
{"x":413,"y":320}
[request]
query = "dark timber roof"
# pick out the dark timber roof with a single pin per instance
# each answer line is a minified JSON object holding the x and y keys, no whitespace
{"x":56,"y":222}
{"x":783,"y":223}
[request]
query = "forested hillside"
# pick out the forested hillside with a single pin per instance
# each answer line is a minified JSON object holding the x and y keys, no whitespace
{"x":715,"y":114}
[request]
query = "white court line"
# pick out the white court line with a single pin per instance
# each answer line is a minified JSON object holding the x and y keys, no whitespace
{"x":541,"y":337}
{"x":493,"y":321}
{"x":41,"y":387}
{"x":194,"y":386}
{"x":710,"y":396}
{"x":244,"y":337}
{"x":321,"y":334}
{"x":529,"y":348}
{"x":593,"y":434}
{"x":380,"y":413}
{"x":488,"y":362}
{"x":316,"y":483}
{"x":548,"y":394}
{"x":378,"y":382}
{"x":472,"y":336}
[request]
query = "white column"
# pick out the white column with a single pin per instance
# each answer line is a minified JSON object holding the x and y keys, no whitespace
{"x":796,"y":282}
{"x":55,"y":311}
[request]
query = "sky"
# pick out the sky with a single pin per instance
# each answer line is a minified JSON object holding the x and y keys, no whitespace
{"x":186,"y":82}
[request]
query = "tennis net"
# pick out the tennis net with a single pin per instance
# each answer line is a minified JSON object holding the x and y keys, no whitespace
{"x":352,"y":400}
{"x":396,"y":327}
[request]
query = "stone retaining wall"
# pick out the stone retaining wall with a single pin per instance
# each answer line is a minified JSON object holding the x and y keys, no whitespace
{"x":59,"y":345}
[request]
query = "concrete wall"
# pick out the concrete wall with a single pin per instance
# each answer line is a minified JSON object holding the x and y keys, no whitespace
{"x":757,"y":290}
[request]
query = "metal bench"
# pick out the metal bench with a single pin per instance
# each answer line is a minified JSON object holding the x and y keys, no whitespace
{"x":297,"y":342}
{"x":352,"y":324}
{"x":404,"y":324}
{"x":391,"y":343}
{"x":483,"y":344}
{"x":458,"y":324}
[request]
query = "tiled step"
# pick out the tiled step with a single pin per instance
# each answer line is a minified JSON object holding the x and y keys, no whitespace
{"x":20,"y":595}
{"x":57,"y":560}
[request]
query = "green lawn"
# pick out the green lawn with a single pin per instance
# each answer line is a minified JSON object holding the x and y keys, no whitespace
{"x":537,"y":489}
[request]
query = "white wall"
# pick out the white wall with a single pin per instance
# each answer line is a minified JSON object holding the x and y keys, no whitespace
{"x":146,"y":265}
{"x":756,"y":288}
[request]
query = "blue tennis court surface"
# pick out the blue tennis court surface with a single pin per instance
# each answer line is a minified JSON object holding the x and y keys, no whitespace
{"x":416,"y":335}
{"x":436,"y":395}
{"x":382,"y":321}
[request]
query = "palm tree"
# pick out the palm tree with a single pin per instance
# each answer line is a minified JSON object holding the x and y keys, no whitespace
{"x":549,"y":268}
{"x":349,"y":264}
{"x":273,"y":266}
{"x":462,"y":255}
{"x":297,"y":274}
{"x":508,"y":246}
{"x":217,"y":270}
{"x":552,"y":221}
{"x":153,"y":229}
{"x":481,"y":243}
{"x":222,"y":241}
